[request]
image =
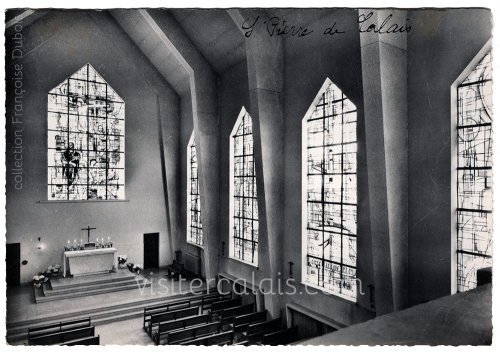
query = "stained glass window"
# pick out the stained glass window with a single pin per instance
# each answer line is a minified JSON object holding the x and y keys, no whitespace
{"x":244,"y":212}
{"x":86,"y":146}
{"x":330,"y":197}
{"x":474,"y":175}
{"x":194,"y":228}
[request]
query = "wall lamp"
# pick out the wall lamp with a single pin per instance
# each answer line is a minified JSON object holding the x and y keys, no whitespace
{"x":39,"y":243}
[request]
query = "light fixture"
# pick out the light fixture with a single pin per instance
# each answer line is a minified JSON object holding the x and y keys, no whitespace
{"x":39,"y":243}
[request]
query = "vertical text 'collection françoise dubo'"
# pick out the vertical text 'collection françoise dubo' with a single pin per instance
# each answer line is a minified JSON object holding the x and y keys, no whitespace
{"x":17,"y":117}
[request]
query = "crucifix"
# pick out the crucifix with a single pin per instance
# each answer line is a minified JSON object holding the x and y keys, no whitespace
{"x":88,"y":229}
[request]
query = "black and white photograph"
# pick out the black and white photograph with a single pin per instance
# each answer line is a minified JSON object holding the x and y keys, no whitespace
{"x":245,"y":175}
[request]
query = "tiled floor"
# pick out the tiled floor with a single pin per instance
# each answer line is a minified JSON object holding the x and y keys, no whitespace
{"x":21,"y":306}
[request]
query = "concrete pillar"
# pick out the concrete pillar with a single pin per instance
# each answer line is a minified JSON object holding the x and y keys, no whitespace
{"x":265,"y":76}
{"x":384,"y":65}
{"x":203,"y":89}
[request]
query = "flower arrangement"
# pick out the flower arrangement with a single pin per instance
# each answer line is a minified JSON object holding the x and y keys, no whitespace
{"x":122,"y":261}
{"x":54,"y":270}
{"x":134,"y":267}
{"x":38,"y":280}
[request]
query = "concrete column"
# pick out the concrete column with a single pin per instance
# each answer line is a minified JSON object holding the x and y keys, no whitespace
{"x":169,"y":139}
{"x":265,"y":76}
{"x":203,"y":88}
{"x":384,"y":66}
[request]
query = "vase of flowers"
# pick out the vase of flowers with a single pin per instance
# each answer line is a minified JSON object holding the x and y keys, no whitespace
{"x":38,"y":280}
{"x":122,"y":261}
{"x":54,"y":270}
{"x":133,"y":267}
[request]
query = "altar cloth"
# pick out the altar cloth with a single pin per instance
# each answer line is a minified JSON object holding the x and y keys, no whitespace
{"x":90,"y":262}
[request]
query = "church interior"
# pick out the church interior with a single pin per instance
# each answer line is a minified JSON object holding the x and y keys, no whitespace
{"x":323,"y":176}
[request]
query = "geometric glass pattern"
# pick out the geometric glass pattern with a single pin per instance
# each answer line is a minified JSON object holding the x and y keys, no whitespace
{"x":86,"y":143}
{"x":474,"y":174}
{"x":195,"y":232}
{"x":245,"y":215}
{"x":331,"y":199}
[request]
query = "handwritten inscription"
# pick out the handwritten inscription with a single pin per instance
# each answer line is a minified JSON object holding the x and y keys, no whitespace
{"x":394,"y":28}
{"x":276,"y":27}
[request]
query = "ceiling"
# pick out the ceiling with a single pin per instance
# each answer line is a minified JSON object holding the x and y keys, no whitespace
{"x":210,"y":32}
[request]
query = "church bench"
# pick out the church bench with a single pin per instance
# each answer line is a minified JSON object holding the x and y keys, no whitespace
{"x":231,"y":313}
{"x":91,"y":341}
{"x":156,"y":319}
{"x":157,"y":309}
{"x":255,"y":332}
{"x":175,"y":269}
{"x":177,"y":337}
{"x":59,"y":327}
{"x":207,"y":300}
{"x":63,"y":337}
{"x":218,"y":306}
{"x":240,"y":323}
{"x":282,"y":337}
{"x":181,"y":324}
{"x":217,"y":339}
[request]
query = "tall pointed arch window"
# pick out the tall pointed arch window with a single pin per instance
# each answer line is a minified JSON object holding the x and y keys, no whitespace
{"x":329,"y":189}
{"x":244,"y":216}
{"x":194,"y":225}
{"x":86,"y":139}
{"x":474,"y":174}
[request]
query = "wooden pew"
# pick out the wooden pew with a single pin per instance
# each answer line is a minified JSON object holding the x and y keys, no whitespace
{"x":175,"y":269}
{"x":207,"y":300}
{"x":188,"y":334}
{"x":231,"y":313}
{"x":256,"y":332}
{"x":218,"y":306}
{"x":91,"y":341}
{"x":63,"y":336}
{"x":156,"y":319}
{"x":217,"y":339}
{"x":148,"y":311}
{"x":282,"y":337}
{"x":34,"y":332}
{"x":167,"y":327}
{"x":241,"y":322}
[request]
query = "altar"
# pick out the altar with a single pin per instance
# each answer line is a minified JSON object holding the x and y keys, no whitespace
{"x":90,"y":262}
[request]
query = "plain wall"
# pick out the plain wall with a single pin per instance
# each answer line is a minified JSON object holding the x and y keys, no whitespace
{"x":55,"y":47}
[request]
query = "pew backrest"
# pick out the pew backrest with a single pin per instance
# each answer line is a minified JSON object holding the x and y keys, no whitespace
{"x":282,"y":337}
{"x":192,"y":333}
{"x":63,"y":336}
{"x":158,"y":309}
{"x":168,"y":326}
{"x":255,"y":332}
{"x":156,"y":319}
{"x":217,"y":339}
{"x":241,"y":322}
{"x":230,"y":313}
{"x":34,"y":332}
{"x":208,"y":299}
{"x":91,"y":341}
{"x":218,"y":306}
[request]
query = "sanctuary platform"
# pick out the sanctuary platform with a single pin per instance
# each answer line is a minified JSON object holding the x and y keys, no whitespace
{"x":103,"y":307}
{"x":75,"y":287}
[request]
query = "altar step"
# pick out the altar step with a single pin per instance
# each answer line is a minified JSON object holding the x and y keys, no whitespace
{"x":75,"y":287}
{"x":18,"y":331}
